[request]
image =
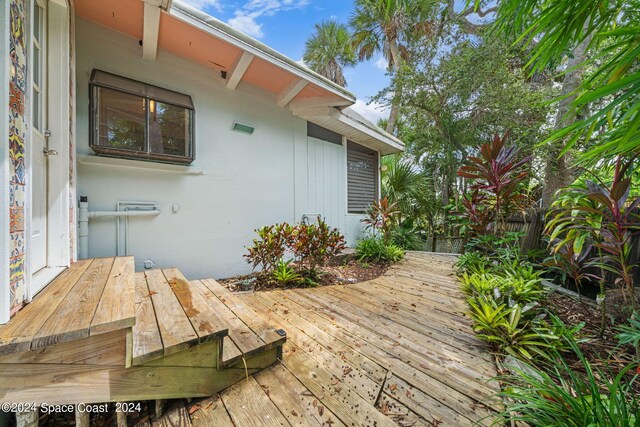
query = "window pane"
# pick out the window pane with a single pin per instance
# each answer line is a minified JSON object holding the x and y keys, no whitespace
{"x":37,"y":22}
{"x":169,"y":129}
{"x":120,"y":120}
{"x":36,"y":110}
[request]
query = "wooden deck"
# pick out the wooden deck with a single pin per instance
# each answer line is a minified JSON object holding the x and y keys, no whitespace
{"x":395,"y":350}
{"x":101,"y":333}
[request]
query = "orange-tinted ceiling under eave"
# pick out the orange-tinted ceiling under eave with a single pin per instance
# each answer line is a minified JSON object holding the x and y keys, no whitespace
{"x":192,"y":43}
{"x":125,"y":16}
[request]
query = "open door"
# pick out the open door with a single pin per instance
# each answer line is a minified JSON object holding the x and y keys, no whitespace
{"x":48,"y":99}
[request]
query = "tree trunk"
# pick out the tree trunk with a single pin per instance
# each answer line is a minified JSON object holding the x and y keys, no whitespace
{"x":396,"y":59}
{"x":557,"y":171}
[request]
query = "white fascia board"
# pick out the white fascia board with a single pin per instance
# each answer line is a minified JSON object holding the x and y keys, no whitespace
{"x":220,"y":30}
{"x":366,"y":132}
{"x":379,"y":135}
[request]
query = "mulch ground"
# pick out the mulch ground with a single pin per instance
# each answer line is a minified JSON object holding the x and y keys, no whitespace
{"x":602,"y":352}
{"x":340,"y":271}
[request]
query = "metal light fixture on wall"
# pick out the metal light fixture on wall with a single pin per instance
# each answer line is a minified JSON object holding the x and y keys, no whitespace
{"x":243,"y":128}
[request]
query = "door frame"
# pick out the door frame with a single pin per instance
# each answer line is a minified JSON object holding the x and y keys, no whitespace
{"x":59,"y":94}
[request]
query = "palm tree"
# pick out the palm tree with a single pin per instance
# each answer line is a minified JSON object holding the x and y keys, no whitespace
{"x":383,"y":26}
{"x":329,"y":50}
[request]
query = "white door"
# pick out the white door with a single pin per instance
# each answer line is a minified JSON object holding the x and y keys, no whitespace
{"x":38,"y":152}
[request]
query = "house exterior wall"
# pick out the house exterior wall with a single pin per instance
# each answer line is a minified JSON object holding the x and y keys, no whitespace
{"x":15,"y":166}
{"x":277,"y":174}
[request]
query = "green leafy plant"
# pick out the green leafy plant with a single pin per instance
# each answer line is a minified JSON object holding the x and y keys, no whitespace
{"x":556,"y":393}
{"x":407,"y":236}
{"x":630,"y":334}
{"x":375,"y":250}
{"x":285,"y":274}
{"x":505,"y":328}
{"x":473,"y":262}
{"x":269,"y":248}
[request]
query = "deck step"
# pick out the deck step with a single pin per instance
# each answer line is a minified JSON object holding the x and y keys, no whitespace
{"x":89,"y":298}
{"x":248,"y":333}
{"x":172,"y":315}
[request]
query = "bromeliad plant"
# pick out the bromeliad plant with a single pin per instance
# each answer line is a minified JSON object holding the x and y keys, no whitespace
{"x":497,"y":191}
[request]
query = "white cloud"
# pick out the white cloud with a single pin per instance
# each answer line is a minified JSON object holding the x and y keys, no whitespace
{"x":247,"y":24}
{"x":245,"y":17}
{"x":373,"y":111}
{"x":382,"y":64}
{"x":203,"y":4}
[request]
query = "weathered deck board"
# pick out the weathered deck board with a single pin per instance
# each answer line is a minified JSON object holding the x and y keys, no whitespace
{"x":147,"y":343}
{"x":116,"y":309}
{"x":16,"y":336}
{"x":241,"y":339}
{"x":248,"y":405}
{"x":406,"y":332}
{"x":195,"y":301}
{"x":175,"y":328}
{"x":72,"y":318}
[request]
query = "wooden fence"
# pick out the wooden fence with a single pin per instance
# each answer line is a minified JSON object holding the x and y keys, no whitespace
{"x":532,"y":225}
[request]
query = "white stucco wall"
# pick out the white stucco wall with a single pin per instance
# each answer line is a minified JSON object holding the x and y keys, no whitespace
{"x":248,"y":181}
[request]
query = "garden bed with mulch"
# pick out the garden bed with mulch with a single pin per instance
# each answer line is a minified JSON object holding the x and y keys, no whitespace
{"x":340,"y":270}
{"x":598,"y":350}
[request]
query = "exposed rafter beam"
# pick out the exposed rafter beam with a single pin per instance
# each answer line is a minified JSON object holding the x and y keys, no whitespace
{"x":291,"y":92}
{"x":151,"y":30}
{"x":239,"y":69}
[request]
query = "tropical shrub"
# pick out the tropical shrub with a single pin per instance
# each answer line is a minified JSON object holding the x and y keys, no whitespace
{"x":314,"y":244}
{"x":270,"y":246}
{"x":285,"y":274}
{"x":497,"y":189}
{"x":381,"y":217}
{"x":557,"y":394}
{"x":605,"y":218}
{"x":311,"y":244}
{"x":375,"y":250}
{"x":407,"y":236}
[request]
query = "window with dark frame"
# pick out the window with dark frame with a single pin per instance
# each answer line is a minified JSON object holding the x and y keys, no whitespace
{"x":362,"y":177}
{"x":130,"y":119}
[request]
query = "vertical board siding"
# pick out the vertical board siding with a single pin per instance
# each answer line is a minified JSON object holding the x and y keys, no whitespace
{"x":325,"y":173}
{"x":362,"y":170}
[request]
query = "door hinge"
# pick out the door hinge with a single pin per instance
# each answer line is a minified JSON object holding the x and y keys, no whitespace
{"x":48,"y":152}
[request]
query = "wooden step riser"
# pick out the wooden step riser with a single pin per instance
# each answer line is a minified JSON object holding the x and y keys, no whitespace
{"x":72,"y":384}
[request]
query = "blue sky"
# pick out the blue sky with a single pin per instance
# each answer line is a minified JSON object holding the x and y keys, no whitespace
{"x":285,"y":25}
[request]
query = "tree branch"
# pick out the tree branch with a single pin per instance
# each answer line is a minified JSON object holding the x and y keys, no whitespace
{"x":467,"y":25}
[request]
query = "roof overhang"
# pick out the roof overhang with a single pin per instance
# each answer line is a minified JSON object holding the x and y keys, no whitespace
{"x":237,"y":61}
{"x":355,"y":127}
